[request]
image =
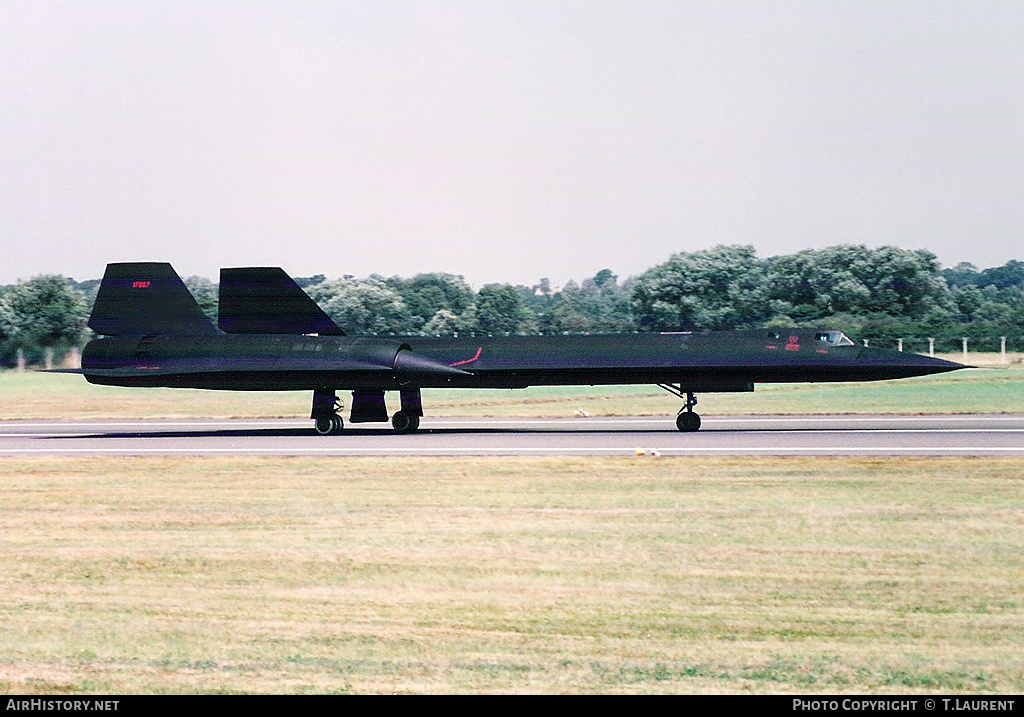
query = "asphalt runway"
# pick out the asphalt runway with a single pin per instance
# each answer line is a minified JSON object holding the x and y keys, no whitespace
{"x":720,"y":435}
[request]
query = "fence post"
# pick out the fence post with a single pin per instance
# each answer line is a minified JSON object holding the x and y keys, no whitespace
{"x":1002,"y":349}
{"x":899,"y":344}
{"x":964,"y":339}
{"x":21,"y":359}
{"x":931,"y":347}
{"x":49,"y":358}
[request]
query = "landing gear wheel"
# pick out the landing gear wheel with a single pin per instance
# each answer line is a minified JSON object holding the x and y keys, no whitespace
{"x":329,"y":425}
{"x":324,"y":425}
{"x":337,"y":424}
{"x":688,"y":421}
{"x":326,"y":419}
{"x":405,"y":422}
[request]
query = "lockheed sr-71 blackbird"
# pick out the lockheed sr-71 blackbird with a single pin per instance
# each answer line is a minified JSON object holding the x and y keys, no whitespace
{"x":273,"y":337}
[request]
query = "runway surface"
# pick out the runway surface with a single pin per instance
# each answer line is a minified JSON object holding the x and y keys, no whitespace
{"x":730,"y":435}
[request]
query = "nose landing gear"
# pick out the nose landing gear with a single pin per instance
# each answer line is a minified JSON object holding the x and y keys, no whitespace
{"x":687,"y":419}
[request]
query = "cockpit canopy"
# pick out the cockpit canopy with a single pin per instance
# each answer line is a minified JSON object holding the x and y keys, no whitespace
{"x":833,"y":338}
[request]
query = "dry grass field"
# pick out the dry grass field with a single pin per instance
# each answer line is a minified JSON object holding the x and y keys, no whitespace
{"x":512,"y":575}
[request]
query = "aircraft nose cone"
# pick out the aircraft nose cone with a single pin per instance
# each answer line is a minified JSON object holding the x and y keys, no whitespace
{"x":908,"y":364}
{"x":408,"y":363}
{"x":941,"y":364}
{"x":930,"y":364}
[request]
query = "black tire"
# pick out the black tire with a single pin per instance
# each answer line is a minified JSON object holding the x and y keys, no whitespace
{"x":337,"y":424}
{"x":405,"y":422}
{"x":324,"y":425}
{"x":688,"y":421}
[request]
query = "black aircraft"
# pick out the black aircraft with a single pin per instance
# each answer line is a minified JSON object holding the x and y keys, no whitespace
{"x":273,"y":337}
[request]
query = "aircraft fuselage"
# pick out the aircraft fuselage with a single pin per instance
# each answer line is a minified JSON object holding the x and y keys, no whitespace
{"x":696,"y":361}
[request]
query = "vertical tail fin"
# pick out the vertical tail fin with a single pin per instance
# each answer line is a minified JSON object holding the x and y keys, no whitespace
{"x":146,"y":298}
{"x":265,"y":300}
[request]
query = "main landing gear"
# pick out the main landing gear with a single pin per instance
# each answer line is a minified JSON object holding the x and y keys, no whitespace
{"x":327,"y":420}
{"x":367,"y":407}
{"x":687,"y":419}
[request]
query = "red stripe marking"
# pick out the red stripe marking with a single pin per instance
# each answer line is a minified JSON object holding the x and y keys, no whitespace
{"x":463,"y":363}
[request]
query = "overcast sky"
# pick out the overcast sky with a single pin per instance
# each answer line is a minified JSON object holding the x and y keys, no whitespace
{"x":504,"y":141}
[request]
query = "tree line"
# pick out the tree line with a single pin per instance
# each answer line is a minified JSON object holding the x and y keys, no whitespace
{"x":875,"y":294}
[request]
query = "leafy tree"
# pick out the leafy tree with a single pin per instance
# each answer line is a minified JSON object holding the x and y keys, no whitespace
{"x":6,"y":318}
{"x":307,"y":281}
{"x":498,"y":310}
{"x":858,"y":280}
{"x":1002,"y":277}
{"x":566,"y":319}
{"x":363,"y":307}
{"x":604,"y":277}
{"x":88,"y":289}
{"x":543,"y":305}
{"x":907,"y":282}
{"x":206,"y":295}
{"x":963,"y":274}
{"x":598,"y":305}
{"x":939,"y":321}
{"x":543,"y":288}
{"x":426,"y":294}
{"x":443,"y":323}
{"x":720,"y":288}
{"x":43,"y":312}
{"x":968,"y":300}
